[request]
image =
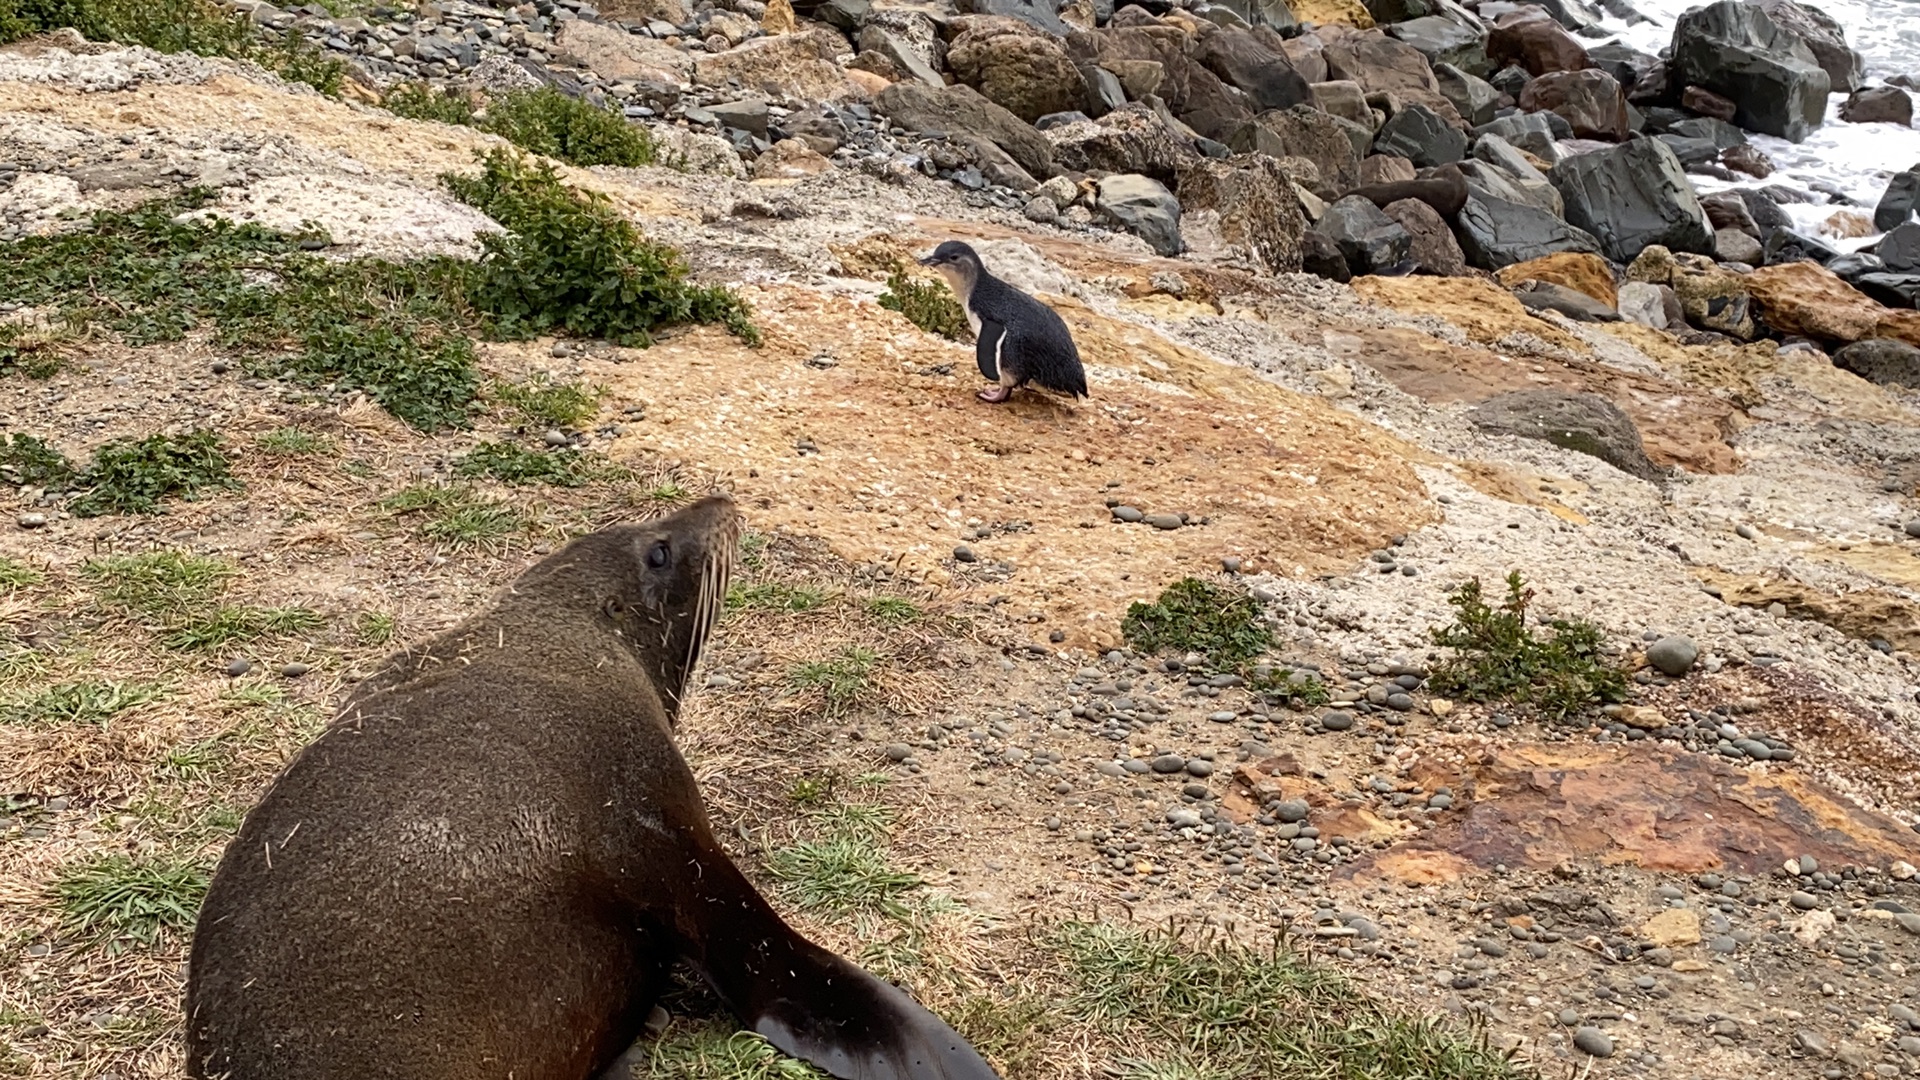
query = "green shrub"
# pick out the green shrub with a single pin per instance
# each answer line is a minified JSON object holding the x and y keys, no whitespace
{"x":1192,"y":615}
{"x":543,"y":402}
{"x":29,"y":462}
{"x":570,"y":262}
{"x":424,"y":101}
{"x":26,"y":353}
{"x":176,"y":26}
{"x":512,"y":464}
{"x":1497,"y":656}
{"x":927,"y":305}
{"x":133,"y":477}
{"x":541,"y":120}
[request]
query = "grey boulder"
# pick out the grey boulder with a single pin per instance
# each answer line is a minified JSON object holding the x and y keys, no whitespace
{"x":1632,"y":196}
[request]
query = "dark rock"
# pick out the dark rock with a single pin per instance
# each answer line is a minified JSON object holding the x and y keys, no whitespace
{"x":1655,"y":88}
{"x":1856,"y":265}
{"x":1883,"y":361}
{"x":1736,"y":246}
{"x":1144,"y":207}
{"x":1492,"y":182}
{"x":1273,"y":14}
{"x":1242,"y":60}
{"x":1252,"y":207}
{"x":1320,"y":256}
{"x":847,"y":16}
{"x":1495,"y":233}
{"x":1891,"y":290}
{"x":749,"y":115}
{"x":1432,"y":245}
{"x":1193,"y":93}
{"x":1345,"y":100}
{"x":1511,"y":80}
{"x":1474,"y":98}
{"x":1727,"y":210}
{"x":1633,"y":196}
{"x":1823,"y":37}
{"x":1576,"y":305}
{"x":1368,"y":239}
{"x":1692,"y":153}
{"x":1040,"y":13}
{"x":1627,"y":66}
{"x":1734,"y":49}
{"x":1303,"y":132}
{"x":1394,"y":11}
{"x":1707,"y":103}
{"x":1581,"y":422}
{"x":1536,"y":133}
{"x":1307,"y":53}
{"x":1534,"y":41}
{"x":1453,"y":37}
{"x":1571,"y":14}
{"x":1383,"y":65}
{"x":962,"y":109}
{"x":1721,"y":134}
{"x":1748,"y":159}
{"x":1104,"y":92}
{"x":1899,"y":201}
{"x":1787,"y":245}
{"x":1878,"y":105}
{"x":1132,"y":139}
{"x":1899,"y":250}
{"x":1592,"y":102}
{"x":1422,"y":137}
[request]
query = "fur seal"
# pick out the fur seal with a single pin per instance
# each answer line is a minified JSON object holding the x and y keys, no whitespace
{"x":1017,"y":339}
{"x":488,"y":863}
{"x":1445,"y":189}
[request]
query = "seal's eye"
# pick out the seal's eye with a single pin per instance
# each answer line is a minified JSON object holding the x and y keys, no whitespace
{"x":657,"y":555}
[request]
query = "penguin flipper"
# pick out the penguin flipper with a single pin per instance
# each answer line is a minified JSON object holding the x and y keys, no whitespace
{"x":986,"y":351}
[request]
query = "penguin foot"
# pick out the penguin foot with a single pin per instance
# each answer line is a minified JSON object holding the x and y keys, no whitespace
{"x":996,"y":393}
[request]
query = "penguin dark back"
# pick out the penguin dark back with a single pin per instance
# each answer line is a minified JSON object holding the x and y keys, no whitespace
{"x":489,"y":863}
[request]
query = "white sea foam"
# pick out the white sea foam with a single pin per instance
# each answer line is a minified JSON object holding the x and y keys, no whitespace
{"x":1858,"y":159}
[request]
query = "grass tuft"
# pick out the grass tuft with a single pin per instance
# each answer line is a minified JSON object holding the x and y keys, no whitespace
{"x":374,"y":628}
{"x":228,"y":625}
{"x":135,"y":477}
{"x":510,"y":463}
{"x":456,"y":516}
{"x":93,"y":701}
{"x":570,"y":262}
{"x":26,"y":352}
{"x":1192,"y":615}
{"x":157,"y":583}
{"x":175,"y":26}
{"x":293,"y":442}
{"x":773,"y":596}
{"x":15,"y":574}
{"x":846,"y":870}
{"x":893,"y":611}
{"x":544,"y":402}
{"x":116,"y":899}
{"x":845,"y":680}
{"x":718,"y":1052}
{"x":542,"y":120}
{"x":1498,"y":656}
{"x":931,"y":306}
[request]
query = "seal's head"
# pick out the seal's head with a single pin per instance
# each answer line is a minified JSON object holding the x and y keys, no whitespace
{"x":658,"y":585}
{"x":958,"y":263}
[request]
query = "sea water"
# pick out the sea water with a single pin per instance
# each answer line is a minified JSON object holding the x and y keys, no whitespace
{"x":1858,"y":159}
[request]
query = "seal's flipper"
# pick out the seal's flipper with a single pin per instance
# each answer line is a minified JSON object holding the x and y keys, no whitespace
{"x":986,"y":352}
{"x":810,"y":1003}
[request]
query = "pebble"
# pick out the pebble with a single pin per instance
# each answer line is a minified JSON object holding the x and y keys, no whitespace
{"x":1337,"y":721}
{"x":963,"y":553}
{"x":1128,"y":514}
{"x":32,"y":520}
{"x":1200,"y":767}
{"x":898,"y":752}
{"x":1913,"y":527}
{"x":1166,"y":522}
{"x":1745,"y":532}
{"x":295,"y":669}
{"x":555,"y":437}
{"x":239,"y":666}
{"x":1291,"y":811}
{"x":1168,"y":764}
{"x":1805,"y":901}
{"x":1592,"y":1040}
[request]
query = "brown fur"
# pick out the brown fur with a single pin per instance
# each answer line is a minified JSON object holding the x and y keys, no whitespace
{"x":1445,"y":190}
{"x":488,"y":863}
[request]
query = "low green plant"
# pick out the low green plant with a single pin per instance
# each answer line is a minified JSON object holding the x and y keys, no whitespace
{"x":510,"y":463}
{"x":293,"y":442}
{"x":893,"y":610}
{"x":844,"y":680}
{"x":456,"y":516}
{"x":175,"y":26}
{"x":1287,"y":685}
{"x":229,"y":624}
{"x":92,"y":701}
{"x":845,"y":869}
{"x":374,"y":628}
{"x":118,"y":899}
{"x":1497,"y":655}
{"x":15,"y":574}
{"x":29,"y":462}
{"x":542,"y":401}
{"x":1192,"y":615}
{"x":570,"y":262}
{"x":135,"y":476}
{"x":548,"y":122}
{"x":157,"y":583}
{"x":775,"y":596}
{"x":424,"y":101}
{"x":928,"y":305}
{"x":716,"y":1051}
{"x":23,"y":352}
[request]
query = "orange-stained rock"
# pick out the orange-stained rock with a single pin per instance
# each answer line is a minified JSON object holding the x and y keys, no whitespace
{"x":1581,"y":272}
{"x":1807,"y":298}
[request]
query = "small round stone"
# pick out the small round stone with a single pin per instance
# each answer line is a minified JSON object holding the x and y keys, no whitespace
{"x":1166,"y":522}
{"x":1913,"y":527}
{"x":295,"y":669}
{"x":1128,"y":514}
{"x":899,"y":752}
{"x":963,"y":553}
{"x":1673,"y":655}
{"x":1337,"y":720}
{"x":1592,"y":1040}
{"x":32,"y":520}
{"x":1569,"y":1017}
{"x":1200,"y":767}
{"x":1291,"y":811}
{"x":239,"y":666}
{"x":1168,"y":763}
{"x":555,"y":437}
{"x":1231,"y":564}
{"x":1745,"y":532}
{"x":1803,"y":900}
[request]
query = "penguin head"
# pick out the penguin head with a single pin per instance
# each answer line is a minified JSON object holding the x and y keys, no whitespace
{"x":952,"y":253}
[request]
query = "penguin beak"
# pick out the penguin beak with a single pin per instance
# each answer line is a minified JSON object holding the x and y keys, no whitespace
{"x":929,"y":261}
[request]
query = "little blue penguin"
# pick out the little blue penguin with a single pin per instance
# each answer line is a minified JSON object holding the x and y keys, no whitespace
{"x":1019,"y":339}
